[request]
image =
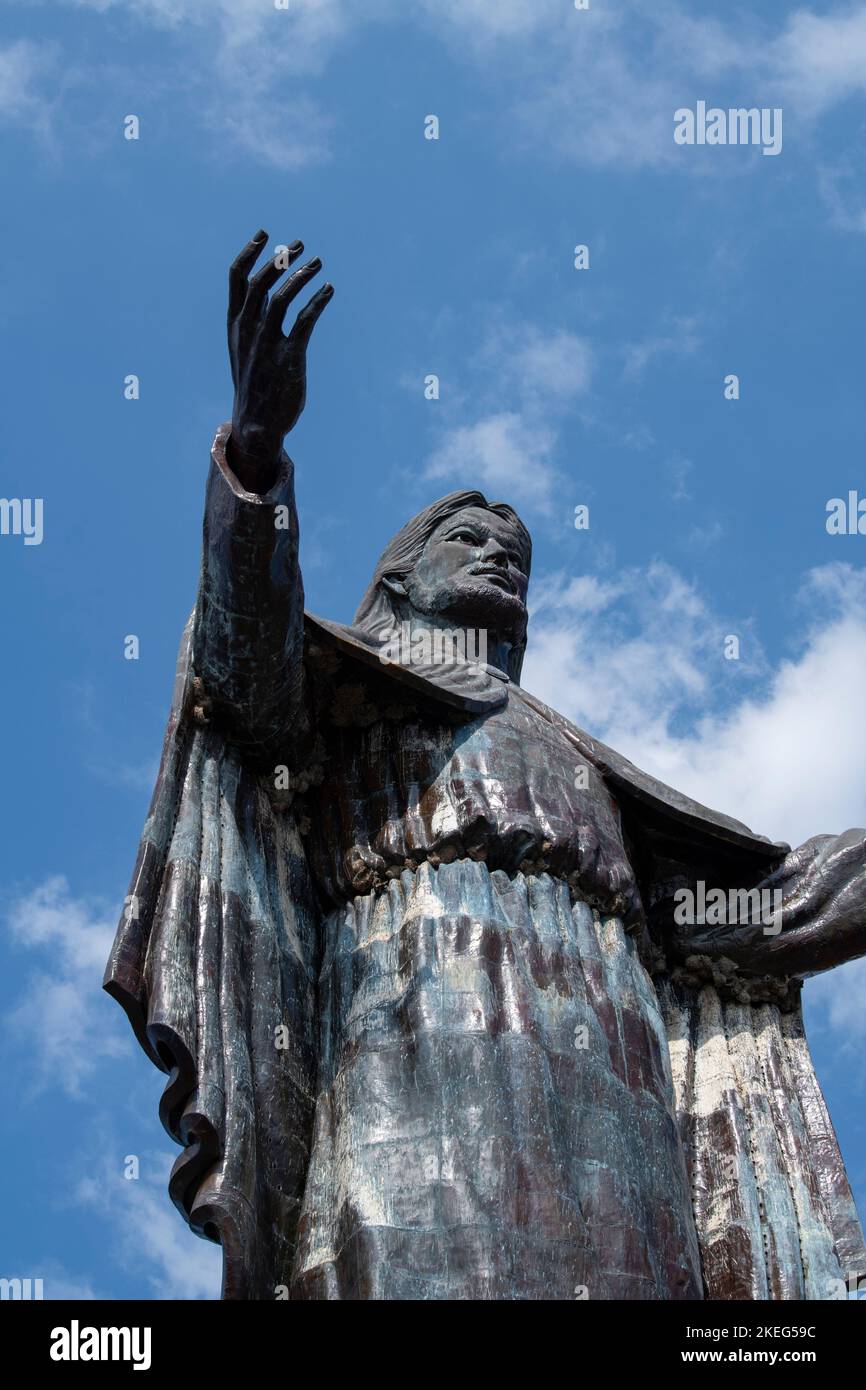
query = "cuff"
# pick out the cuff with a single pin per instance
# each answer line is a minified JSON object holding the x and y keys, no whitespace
{"x":275,"y":493}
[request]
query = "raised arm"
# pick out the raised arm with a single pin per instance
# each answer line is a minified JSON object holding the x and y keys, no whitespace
{"x":248,"y":642}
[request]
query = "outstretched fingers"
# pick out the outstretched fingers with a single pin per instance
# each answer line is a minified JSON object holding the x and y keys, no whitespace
{"x":268,"y":276}
{"x":239,"y":271}
{"x":306,"y":320}
{"x":283,"y":297}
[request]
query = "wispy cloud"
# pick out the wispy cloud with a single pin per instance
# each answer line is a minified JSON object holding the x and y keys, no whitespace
{"x":299,"y":39}
{"x":61,"y":1021}
{"x":593,"y":88}
{"x":59,"y":1284}
{"x":148,"y":1236}
{"x":819,"y":60}
{"x":679,"y":339}
{"x":287,"y":136}
{"x":28,"y":86}
{"x":510,"y":449}
{"x":504,"y":454}
{"x":135,"y":776}
{"x":599,"y":88}
{"x":679,"y":471}
{"x":838,"y":1000}
{"x":638,"y":660}
{"x":841,"y":185}
{"x":239,"y":70}
{"x":542,"y":369}
{"x":65,"y":1028}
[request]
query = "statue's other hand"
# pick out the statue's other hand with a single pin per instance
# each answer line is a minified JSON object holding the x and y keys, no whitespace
{"x":269,"y":367}
{"x":811,"y":913}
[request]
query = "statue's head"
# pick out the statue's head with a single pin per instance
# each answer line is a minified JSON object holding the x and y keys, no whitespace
{"x":463,"y":561}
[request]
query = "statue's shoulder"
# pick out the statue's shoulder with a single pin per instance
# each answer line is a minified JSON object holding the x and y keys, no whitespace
{"x":657,"y":804}
{"x":465,"y":688}
{"x":470,"y":690}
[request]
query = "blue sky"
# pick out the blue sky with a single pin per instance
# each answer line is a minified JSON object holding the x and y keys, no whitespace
{"x":559,"y":387}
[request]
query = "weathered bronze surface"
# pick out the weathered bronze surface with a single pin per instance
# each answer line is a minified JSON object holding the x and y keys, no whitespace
{"x":404,"y":939}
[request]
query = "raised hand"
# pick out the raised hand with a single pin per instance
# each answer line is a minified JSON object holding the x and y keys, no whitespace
{"x":269,"y":367}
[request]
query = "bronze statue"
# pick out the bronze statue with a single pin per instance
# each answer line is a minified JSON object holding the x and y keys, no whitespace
{"x":416,"y":953}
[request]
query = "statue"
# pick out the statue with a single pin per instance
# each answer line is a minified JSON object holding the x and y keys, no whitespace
{"x":417,"y":954}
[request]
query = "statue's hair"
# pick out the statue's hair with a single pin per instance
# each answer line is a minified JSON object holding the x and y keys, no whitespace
{"x":379,"y":609}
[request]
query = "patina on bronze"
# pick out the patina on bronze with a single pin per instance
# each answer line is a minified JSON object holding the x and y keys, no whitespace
{"x":405,"y":940}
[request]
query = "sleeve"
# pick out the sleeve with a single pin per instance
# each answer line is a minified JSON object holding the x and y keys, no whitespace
{"x":807,"y":915}
{"x":249,"y":631}
{"x":215,"y":963}
{"x":774,"y":1213}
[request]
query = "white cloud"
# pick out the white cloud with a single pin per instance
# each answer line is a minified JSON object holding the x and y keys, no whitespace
{"x":286,"y":135}
{"x":591,"y":88}
{"x":820,"y":59}
{"x":300,"y":39}
{"x":679,"y":471}
{"x":236,"y":65}
{"x":507,"y":457}
{"x":60,"y":1285}
{"x":604,"y":89}
{"x":545,"y":369}
{"x":314,"y":27}
{"x":637,"y":660}
{"x":680,"y":340}
{"x":66,"y":1027}
{"x":600,"y":87}
{"x":27,"y":72}
{"x":479,"y":21}
{"x":511,"y":452}
{"x":841,"y":187}
{"x":149,"y":1236}
{"x":623,"y":657}
{"x":61,"y":1020}
{"x":837,"y":998}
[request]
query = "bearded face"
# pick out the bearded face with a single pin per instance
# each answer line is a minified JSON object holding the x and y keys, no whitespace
{"x":473,"y":572}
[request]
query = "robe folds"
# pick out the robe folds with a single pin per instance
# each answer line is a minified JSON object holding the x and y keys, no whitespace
{"x":429,"y":1027}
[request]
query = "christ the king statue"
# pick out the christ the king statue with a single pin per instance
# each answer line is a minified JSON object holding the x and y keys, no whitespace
{"x":410,"y":946}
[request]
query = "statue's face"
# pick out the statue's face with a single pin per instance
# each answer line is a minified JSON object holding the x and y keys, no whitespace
{"x":473,"y":572}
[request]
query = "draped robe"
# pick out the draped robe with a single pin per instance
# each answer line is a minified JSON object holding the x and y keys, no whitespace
{"x":429,"y":1028}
